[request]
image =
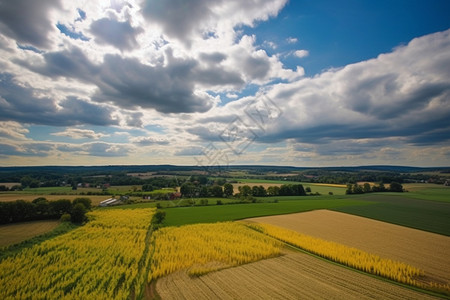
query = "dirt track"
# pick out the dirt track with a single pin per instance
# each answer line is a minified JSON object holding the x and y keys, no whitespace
{"x":292,"y":276}
{"x":427,"y":251}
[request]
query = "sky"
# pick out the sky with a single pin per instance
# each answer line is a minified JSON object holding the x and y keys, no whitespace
{"x":214,"y":83}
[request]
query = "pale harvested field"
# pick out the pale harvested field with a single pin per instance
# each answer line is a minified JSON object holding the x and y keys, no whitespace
{"x":13,"y":197}
{"x":424,"y":250}
{"x":292,"y":276}
{"x":16,"y":233}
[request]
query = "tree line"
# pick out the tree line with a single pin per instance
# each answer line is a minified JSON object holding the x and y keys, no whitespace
{"x":367,"y":188}
{"x":192,"y":190}
{"x":42,"y":209}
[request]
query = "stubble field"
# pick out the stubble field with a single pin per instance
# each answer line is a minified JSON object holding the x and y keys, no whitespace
{"x":424,"y":250}
{"x":16,"y":233}
{"x":291,"y":276}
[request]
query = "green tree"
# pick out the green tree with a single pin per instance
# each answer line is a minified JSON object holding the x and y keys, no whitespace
{"x":367,"y":188}
{"x":187,"y":190}
{"x":245,"y":191}
{"x":86,"y":202}
{"x":273,"y":190}
{"x":217,"y":191}
{"x":228,"y":189}
{"x":357,"y":189}
{"x":61,"y":206}
{"x":395,"y":187}
{"x":147,"y":187}
{"x":159,"y":217}
{"x":349,"y":189}
{"x":78,"y":214}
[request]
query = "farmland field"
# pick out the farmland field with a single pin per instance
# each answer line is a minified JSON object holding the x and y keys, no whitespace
{"x":16,"y":233}
{"x":428,"y":192}
{"x":207,"y":214}
{"x":433,"y":216}
{"x":291,"y":276}
{"x":104,"y":259}
{"x":424,"y":250}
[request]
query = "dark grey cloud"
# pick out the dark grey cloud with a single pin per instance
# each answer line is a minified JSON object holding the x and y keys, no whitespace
{"x":205,"y":133}
{"x":213,"y":58}
{"x":19,"y":103}
{"x":216,"y":76}
{"x":118,"y":34}
{"x":71,"y":63}
{"x":128,"y":83}
{"x":256,"y":68}
{"x":27,"y":21}
{"x":179,"y":19}
{"x":185,"y":19}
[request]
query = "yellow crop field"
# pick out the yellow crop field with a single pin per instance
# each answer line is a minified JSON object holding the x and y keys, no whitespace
{"x":353,"y":257}
{"x":203,"y":248}
{"x":101,"y":260}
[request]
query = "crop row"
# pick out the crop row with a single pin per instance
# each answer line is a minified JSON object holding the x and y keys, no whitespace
{"x":352,"y":257}
{"x":203,"y":248}
{"x":101,"y":260}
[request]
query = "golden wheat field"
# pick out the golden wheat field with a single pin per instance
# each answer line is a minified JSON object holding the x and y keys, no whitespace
{"x":202,"y":248}
{"x":103,"y":259}
{"x":424,"y":250}
{"x":291,"y":276}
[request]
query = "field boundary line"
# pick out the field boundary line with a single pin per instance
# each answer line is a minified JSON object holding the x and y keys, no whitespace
{"x":299,"y":249}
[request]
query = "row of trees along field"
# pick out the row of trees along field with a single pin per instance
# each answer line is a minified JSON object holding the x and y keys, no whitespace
{"x":190,"y":190}
{"x":367,"y":188}
{"x":42,"y":209}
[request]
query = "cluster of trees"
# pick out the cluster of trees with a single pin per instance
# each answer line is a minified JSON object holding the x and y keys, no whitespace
{"x":260,"y":191}
{"x":192,"y":190}
{"x":42,"y":209}
{"x":195,"y":190}
{"x":367,"y":188}
{"x":342,"y":177}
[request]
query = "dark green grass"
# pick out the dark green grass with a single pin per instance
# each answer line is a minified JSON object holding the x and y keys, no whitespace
{"x":441,"y":194}
{"x":219,"y":213}
{"x":403,"y":210}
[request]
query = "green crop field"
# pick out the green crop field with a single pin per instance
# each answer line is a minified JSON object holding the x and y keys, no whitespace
{"x":401,"y":209}
{"x":428,"y":192}
{"x":215,"y":213}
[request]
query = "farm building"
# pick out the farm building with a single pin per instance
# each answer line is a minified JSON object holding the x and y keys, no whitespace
{"x":110,"y":202}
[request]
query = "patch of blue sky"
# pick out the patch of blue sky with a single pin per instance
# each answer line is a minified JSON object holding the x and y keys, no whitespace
{"x":70,"y":33}
{"x":337,"y":33}
{"x":226,"y":97}
{"x":155,"y":128}
{"x":44,"y":133}
{"x":82,"y":14}
{"x":29,"y":48}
